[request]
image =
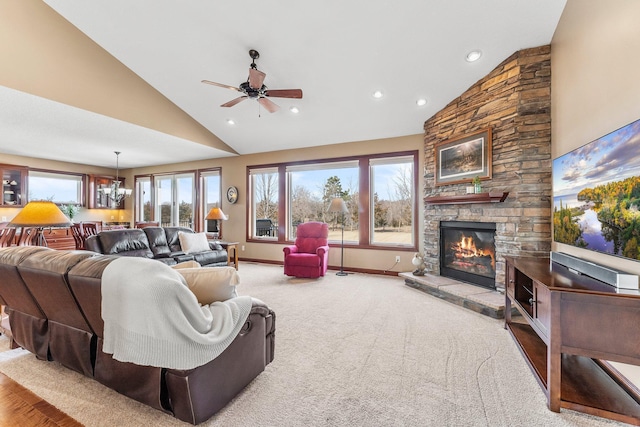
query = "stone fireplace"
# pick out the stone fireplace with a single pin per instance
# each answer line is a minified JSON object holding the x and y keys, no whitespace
{"x":514,"y":101}
{"x":468,"y":252}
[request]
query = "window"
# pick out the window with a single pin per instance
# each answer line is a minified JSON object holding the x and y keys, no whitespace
{"x":174,"y":199}
{"x":170,"y":199}
{"x":392,"y":185}
{"x":211,"y":189}
{"x":264,"y":183}
{"x":58,"y":187}
{"x":311,"y":189}
{"x":143,"y":199}
{"x":379,"y":191}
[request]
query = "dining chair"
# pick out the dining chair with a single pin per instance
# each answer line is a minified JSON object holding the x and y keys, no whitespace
{"x":7,"y":236}
{"x":78,"y":235}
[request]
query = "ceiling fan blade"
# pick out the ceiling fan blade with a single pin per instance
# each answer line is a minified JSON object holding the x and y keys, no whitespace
{"x":234,"y":101}
{"x":269,"y":105}
{"x":284,"y":93}
{"x":221,"y":85}
{"x":256,"y":77}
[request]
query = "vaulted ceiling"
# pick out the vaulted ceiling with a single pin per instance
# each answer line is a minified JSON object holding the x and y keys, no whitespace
{"x":81,"y":79}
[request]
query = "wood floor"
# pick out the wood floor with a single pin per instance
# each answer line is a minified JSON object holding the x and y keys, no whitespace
{"x":20,"y":407}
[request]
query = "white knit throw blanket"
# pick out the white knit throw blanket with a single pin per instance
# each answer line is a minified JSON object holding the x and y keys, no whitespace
{"x":152,"y":318}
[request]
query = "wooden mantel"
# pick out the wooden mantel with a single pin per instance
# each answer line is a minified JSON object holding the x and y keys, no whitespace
{"x":495,"y":197}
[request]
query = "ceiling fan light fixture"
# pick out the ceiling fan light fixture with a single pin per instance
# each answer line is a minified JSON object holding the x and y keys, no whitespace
{"x":473,"y":56}
{"x":253,"y":88}
{"x":294,"y":109}
{"x":421,"y":101}
{"x":378,"y":94}
{"x":231,"y":122}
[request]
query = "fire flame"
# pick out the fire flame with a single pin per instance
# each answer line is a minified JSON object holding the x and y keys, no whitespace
{"x":466,"y":248}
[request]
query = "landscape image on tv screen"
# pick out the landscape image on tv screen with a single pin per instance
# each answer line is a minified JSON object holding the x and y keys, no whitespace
{"x":596,"y":194}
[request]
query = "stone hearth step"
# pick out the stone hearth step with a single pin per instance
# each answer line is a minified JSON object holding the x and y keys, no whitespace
{"x":481,"y":300}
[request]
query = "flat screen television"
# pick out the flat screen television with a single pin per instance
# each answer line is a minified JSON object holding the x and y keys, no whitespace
{"x":596,"y":194}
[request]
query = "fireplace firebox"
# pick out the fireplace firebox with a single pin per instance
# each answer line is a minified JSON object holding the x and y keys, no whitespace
{"x":468,"y":252}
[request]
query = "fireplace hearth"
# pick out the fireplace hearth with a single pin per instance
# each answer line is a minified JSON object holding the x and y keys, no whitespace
{"x":468,"y":252}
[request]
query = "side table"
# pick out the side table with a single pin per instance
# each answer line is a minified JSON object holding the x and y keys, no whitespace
{"x":228,"y":246}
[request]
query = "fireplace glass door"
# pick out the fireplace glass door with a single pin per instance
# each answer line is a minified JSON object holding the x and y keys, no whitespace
{"x":467,"y":252}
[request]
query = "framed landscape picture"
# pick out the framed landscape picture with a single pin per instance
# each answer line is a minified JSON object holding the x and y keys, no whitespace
{"x":460,"y":160}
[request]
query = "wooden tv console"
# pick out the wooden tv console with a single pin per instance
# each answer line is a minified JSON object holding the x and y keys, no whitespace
{"x":571,"y":326}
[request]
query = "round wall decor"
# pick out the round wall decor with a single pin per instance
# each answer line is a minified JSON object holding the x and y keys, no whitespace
{"x":232,"y":194}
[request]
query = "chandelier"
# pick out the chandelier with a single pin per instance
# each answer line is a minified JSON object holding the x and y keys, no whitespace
{"x":114,"y":192}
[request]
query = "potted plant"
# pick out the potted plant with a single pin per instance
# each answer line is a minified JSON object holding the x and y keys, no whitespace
{"x":476,"y":185}
{"x":69,"y":210}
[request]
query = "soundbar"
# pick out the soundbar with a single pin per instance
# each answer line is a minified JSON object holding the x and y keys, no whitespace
{"x":608,"y":275}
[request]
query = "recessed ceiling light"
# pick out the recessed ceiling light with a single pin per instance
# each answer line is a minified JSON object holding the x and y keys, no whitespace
{"x":294,"y":110}
{"x":474,"y":55}
{"x":377,"y":94}
{"x":230,"y":122}
{"x":421,"y":102}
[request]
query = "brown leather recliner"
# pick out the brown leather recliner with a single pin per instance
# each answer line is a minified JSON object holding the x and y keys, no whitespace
{"x":70,"y":337}
{"x":29,"y":325}
{"x":73,"y":302}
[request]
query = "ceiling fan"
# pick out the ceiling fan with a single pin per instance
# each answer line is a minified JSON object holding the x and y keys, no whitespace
{"x":254,"y":88}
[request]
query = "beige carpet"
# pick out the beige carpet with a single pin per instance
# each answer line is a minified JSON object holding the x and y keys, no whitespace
{"x":360,"y":350}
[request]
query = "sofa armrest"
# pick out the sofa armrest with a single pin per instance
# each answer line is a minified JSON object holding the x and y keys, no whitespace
{"x":92,"y":243}
{"x":259,"y":307}
{"x":215,"y":246}
{"x":322,"y":250}
{"x":290,"y":250}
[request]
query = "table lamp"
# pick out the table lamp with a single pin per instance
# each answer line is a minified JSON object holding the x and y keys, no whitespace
{"x":40,"y":214}
{"x":216,"y":214}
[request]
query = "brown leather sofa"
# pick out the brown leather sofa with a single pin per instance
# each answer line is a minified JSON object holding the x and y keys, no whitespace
{"x":54,"y":303}
{"x":160,"y":243}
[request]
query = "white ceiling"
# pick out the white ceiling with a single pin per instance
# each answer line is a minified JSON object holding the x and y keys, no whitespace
{"x":338,"y":52}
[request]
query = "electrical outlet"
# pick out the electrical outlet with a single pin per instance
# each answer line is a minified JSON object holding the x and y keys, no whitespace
{"x":397,"y":258}
{"x":242,"y":248}
{"x":111,"y":216}
{"x":4,"y":219}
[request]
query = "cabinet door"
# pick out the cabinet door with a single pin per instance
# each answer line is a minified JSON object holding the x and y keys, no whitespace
{"x":542,"y":306}
{"x":97,"y":198}
{"x":14,"y":186}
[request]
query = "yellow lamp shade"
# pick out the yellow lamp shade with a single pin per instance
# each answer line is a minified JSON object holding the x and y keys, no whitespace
{"x":40,"y":214}
{"x":216,"y":213}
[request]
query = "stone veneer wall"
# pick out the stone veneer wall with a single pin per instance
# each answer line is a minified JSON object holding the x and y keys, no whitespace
{"x":515,"y":101}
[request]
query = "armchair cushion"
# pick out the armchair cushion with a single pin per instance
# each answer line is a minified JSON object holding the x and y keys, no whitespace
{"x":193,"y":242}
{"x":157,"y":241}
{"x":304,"y":260}
{"x":211,"y":284}
{"x":172,"y":237}
{"x":125,"y":243}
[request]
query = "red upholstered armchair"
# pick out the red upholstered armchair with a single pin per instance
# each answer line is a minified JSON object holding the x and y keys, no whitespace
{"x":308,"y":257}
